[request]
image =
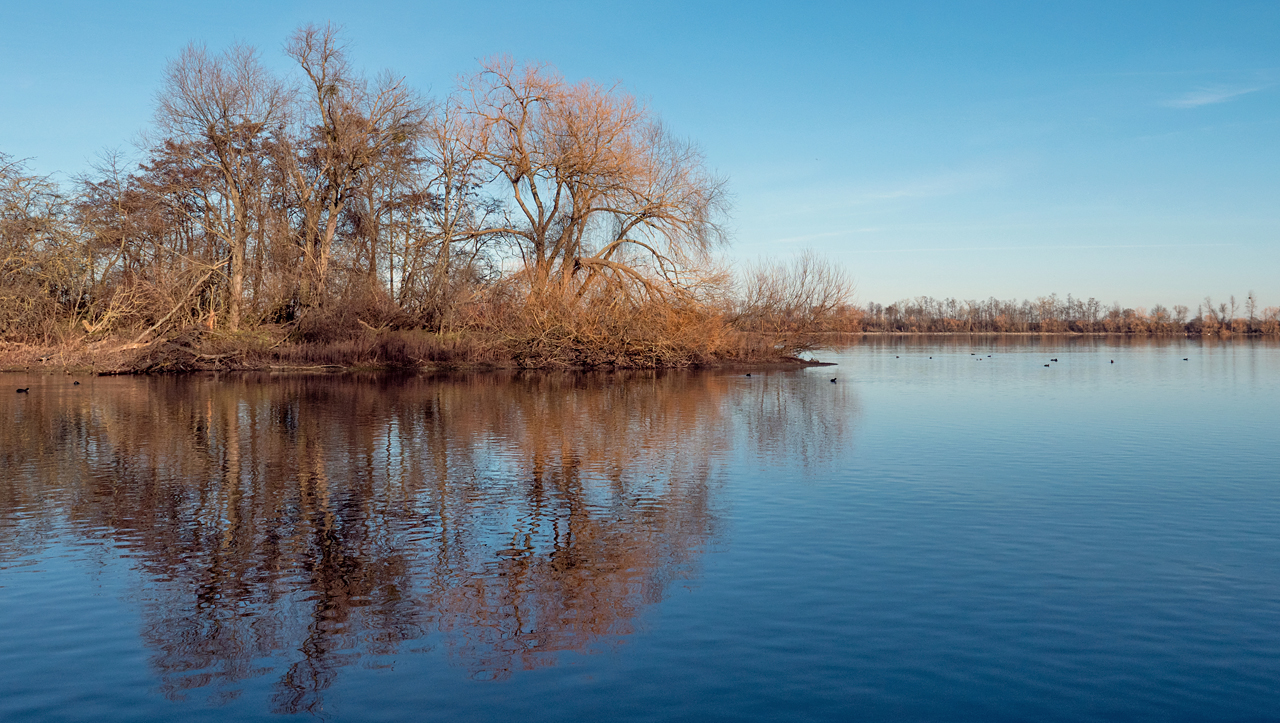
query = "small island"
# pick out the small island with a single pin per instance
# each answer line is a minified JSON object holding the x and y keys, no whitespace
{"x":329,"y":219}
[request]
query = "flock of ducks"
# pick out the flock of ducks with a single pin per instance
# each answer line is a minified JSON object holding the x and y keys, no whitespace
{"x":1113,"y":361}
{"x":27,"y":390}
{"x":896,"y":356}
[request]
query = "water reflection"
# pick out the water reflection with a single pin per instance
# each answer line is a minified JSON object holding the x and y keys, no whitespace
{"x":292,"y":526}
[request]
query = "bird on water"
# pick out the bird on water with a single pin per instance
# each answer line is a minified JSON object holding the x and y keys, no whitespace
{"x":833,"y":381}
{"x":75,"y":384}
{"x":24,"y":390}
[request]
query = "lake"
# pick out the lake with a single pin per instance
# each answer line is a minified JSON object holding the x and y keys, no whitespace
{"x":950,"y":531}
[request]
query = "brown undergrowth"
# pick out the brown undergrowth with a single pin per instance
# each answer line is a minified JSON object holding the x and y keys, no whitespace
{"x":546,"y":335}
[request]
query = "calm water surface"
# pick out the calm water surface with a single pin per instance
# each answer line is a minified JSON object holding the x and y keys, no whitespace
{"x":940,"y":535}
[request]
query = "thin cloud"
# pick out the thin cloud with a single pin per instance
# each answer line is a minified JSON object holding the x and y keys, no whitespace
{"x":829,"y":234}
{"x":1037,"y":248}
{"x":945,"y":184}
{"x":1209,"y":96}
{"x":934,"y":186}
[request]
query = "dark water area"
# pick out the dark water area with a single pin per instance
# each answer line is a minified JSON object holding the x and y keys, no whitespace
{"x":939,"y":535}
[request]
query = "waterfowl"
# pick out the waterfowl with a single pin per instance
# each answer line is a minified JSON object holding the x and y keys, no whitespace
{"x":833,"y":381}
{"x":24,"y":390}
{"x":1046,"y":365}
{"x":75,"y":384}
{"x":748,"y":373}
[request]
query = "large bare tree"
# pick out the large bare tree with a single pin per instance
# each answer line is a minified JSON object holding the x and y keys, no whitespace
{"x":218,"y":110}
{"x":597,"y":188}
{"x":348,"y":127}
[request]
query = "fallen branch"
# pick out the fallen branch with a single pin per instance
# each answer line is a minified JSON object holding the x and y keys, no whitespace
{"x":198,"y":355}
{"x":174,"y":310}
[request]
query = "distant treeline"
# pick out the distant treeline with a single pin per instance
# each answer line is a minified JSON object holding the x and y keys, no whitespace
{"x":1054,"y":315}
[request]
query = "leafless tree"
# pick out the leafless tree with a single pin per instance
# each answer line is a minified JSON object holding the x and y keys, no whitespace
{"x":216,"y":112}
{"x":42,"y":267}
{"x":793,"y":299}
{"x":597,"y":189}
{"x":347,"y":126}
{"x":459,"y":214}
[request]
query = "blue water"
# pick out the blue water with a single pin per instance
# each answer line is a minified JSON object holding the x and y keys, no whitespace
{"x":960,"y":537}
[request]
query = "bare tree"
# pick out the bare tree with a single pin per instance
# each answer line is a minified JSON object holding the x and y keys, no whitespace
{"x":1211,"y":317}
{"x":458,"y":214}
{"x":42,"y":269}
{"x":348,"y":126}
{"x":598,"y":189}
{"x":217,"y":110}
{"x":792,"y":300}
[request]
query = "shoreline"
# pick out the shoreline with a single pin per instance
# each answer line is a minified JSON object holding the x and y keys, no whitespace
{"x":120,"y":362}
{"x":1123,"y":334}
{"x":164,"y":356}
{"x":337,"y":370}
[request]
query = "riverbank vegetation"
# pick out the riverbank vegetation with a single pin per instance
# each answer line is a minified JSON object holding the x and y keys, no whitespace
{"x":330,"y":217}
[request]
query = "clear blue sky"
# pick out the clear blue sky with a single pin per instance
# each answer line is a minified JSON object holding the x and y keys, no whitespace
{"x":1127,"y":151}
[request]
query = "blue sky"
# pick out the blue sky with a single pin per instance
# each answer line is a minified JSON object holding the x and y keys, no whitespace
{"x":1127,"y":151}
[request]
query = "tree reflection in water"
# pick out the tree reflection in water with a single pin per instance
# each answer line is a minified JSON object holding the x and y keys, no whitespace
{"x":290,"y":526}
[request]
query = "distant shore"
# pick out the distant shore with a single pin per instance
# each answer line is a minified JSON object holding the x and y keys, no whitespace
{"x":1139,"y":335}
